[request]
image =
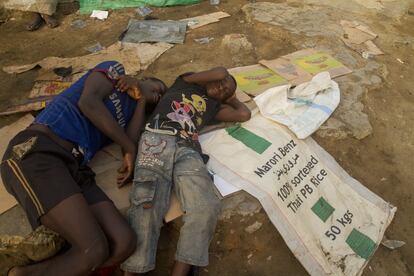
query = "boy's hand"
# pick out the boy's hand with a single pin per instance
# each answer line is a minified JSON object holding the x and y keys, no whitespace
{"x":150,"y":96}
{"x":126,"y":82}
{"x":125,"y":172}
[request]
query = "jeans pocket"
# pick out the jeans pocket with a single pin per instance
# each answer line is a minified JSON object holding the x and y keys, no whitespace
{"x":144,"y":191}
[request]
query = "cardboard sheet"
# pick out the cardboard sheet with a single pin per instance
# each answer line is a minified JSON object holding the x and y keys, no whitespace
{"x":48,"y":88}
{"x":129,"y":56}
{"x":288,"y":70}
{"x":202,"y":20}
{"x":243,"y":97}
{"x":314,"y":62}
{"x":359,"y":38}
{"x":134,"y":57}
{"x":28,"y":105}
{"x":105,"y":164}
{"x":255,"y":79}
{"x":6,"y":134}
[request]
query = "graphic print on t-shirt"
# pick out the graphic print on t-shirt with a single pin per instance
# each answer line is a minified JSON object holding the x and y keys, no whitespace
{"x":187,"y":113}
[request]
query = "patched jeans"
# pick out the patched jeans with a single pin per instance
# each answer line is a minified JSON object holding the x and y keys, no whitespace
{"x":163,"y":164}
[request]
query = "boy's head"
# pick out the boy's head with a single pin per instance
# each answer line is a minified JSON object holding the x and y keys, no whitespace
{"x":156,"y":86}
{"x":223,"y":89}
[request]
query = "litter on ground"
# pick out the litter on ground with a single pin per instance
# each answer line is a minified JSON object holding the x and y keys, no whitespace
{"x":392,"y":244}
{"x":202,"y":20}
{"x":144,"y":11}
{"x":155,"y":31}
{"x":101,"y":15}
{"x":203,"y":40}
{"x":359,"y":38}
{"x":97,"y":47}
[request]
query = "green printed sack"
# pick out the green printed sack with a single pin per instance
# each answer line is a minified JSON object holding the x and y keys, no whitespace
{"x":330,"y":221}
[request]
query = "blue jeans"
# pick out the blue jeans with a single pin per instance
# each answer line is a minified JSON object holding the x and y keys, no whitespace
{"x":164,"y":163}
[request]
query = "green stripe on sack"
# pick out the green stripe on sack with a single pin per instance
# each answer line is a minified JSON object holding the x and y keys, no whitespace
{"x":323,"y":209}
{"x":251,"y":140}
{"x":361,"y":244}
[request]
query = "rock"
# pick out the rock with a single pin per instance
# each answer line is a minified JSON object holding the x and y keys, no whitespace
{"x":333,"y":128}
{"x":240,"y":204}
{"x":236,"y":43}
{"x":253,"y":228}
{"x":298,"y":20}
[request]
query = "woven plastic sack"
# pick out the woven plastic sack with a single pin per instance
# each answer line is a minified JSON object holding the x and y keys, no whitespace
{"x":330,"y":221}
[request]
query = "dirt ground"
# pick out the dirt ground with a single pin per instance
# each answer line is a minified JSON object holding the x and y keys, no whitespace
{"x":371,"y":133}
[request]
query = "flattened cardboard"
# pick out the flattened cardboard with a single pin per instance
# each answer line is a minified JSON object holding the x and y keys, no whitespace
{"x":34,"y":104}
{"x":129,"y":56}
{"x":314,"y":62}
{"x":7,"y":201}
{"x":205,"y":19}
{"x":255,"y":79}
{"x":48,"y":88}
{"x":105,"y":164}
{"x":242,"y":97}
{"x":294,"y":74}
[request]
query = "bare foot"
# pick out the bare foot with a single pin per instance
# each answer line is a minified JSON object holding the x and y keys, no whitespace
{"x":35,"y":22}
{"x":51,"y":22}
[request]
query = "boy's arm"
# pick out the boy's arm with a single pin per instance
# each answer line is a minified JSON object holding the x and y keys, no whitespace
{"x":134,"y":132}
{"x":91,"y":104}
{"x":233,"y":111}
{"x":215,"y":74}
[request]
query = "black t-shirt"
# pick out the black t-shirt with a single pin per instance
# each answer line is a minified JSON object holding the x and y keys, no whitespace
{"x":184,"y":110}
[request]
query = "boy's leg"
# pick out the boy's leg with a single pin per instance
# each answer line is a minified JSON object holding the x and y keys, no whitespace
{"x":200,"y":204}
{"x":74,"y":221}
{"x":121,"y":237}
{"x":38,"y":173}
{"x":150,"y":197}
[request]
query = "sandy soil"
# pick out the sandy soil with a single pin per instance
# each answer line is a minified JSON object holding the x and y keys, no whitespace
{"x":376,"y":100}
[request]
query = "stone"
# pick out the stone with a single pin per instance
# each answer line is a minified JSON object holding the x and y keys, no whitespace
{"x":239,"y":204}
{"x":236,"y":43}
{"x":253,"y":228}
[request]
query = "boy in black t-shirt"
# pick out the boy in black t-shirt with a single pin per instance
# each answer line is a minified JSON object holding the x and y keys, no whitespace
{"x":170,"y":156}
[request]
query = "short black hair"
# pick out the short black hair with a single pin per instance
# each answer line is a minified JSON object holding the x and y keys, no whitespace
{"x":235,"y":82}
{"x":156,"y":79}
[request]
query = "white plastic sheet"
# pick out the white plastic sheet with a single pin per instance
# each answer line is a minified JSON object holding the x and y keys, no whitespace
{"x":304,"y":108}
